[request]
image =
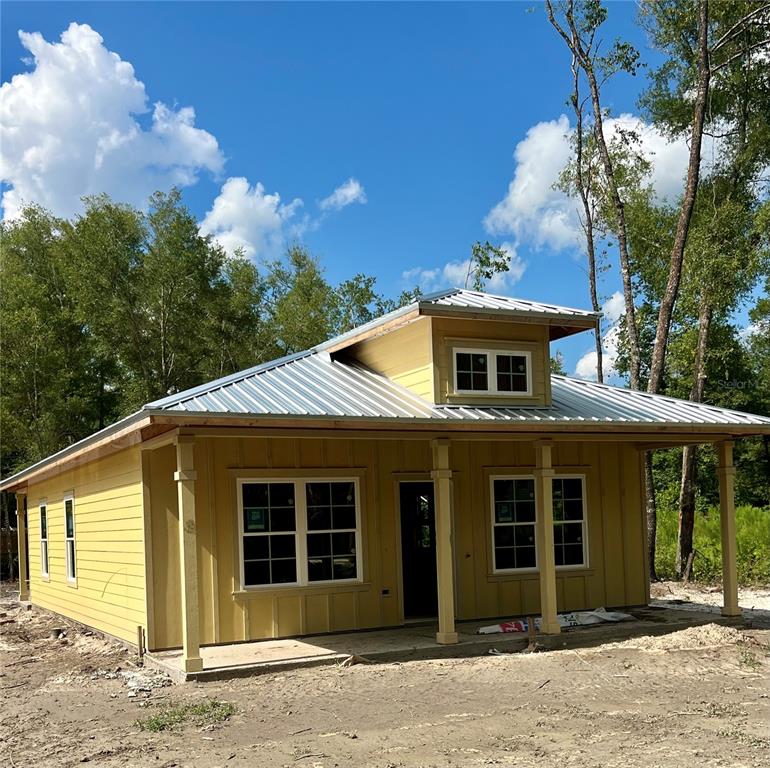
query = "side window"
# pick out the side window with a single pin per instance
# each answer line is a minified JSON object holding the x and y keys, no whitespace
{"x":69,"y":536}
{"x":513,"y":523}
{"x":569,"y":520}
{"x":44,"y":539}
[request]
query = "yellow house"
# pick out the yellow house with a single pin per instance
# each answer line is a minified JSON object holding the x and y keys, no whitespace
{"x":425,"y":465}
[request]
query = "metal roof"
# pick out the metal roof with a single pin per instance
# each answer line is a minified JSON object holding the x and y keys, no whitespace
{"x":312,"y":384}
{"x":458,"y":301}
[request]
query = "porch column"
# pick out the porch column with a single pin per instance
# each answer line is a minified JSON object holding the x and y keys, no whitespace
{"x":726,"y":472}
{"x":442,"y":480}
{"x":545,"y":554}
{"x":21,"y":532}
{"x":185,"y":476}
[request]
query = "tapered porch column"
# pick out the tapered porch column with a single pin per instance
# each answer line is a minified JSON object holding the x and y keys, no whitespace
{"x":545,"y":554}
{"x":185,"y":476}
{"x":726,"y":472}
{"x":21,"y":532}
{"x":442,"y":480}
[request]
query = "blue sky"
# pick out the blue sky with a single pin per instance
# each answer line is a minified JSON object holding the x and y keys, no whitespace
{"x":422,"y":104}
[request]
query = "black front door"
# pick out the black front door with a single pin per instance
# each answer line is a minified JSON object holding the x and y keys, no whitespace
{"x":418,"y":550}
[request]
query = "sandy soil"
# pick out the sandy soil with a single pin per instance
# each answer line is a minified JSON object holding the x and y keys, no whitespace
{"x":699,"y":696}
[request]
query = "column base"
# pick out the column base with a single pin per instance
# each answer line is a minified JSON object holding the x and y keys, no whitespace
{"x":446,"y":638}
{"x":193,"y":664}
{"x":550,"y":627}
{"x":730,"y":610}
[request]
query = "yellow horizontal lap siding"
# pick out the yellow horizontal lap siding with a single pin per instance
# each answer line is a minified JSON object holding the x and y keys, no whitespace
{"x":109,"y":589}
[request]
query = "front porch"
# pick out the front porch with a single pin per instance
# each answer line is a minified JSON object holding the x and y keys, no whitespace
{"x":418,"y":642}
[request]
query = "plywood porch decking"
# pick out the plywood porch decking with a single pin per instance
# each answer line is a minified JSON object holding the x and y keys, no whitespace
{"x":413,"y":642}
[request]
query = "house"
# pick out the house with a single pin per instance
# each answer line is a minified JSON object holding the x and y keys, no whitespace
{"x":426,"y":464}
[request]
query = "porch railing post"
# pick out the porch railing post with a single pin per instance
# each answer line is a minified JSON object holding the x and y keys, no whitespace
{"x":442,"y":479}
{"x":726,"y":472}
{"x":545,"y":552}
{"x":21,"y":532}
{"x":185,"y":477}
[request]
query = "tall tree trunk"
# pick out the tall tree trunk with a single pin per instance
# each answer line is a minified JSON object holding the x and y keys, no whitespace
{"x":583,"y":187}
{"x":687,"y":489}
{"x":652,"y":514}
{"x":668,"y":301}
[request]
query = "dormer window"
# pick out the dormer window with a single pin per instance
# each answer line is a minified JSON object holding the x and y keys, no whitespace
{"x":492,"y":372}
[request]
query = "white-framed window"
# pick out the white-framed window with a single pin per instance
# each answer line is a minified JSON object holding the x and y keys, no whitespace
{"x":569,"y":520}
{"x":43,"y":507}
{"x":296,"y":532}
{"x":492,"y":371}
{"x":69,"y":536}
{"x":513,"y":523}
{"x":514,"y":515}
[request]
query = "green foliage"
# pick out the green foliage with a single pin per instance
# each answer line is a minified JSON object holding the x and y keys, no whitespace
{"x":486,"y":261}
{"x":753,"y":534}
{"x":120,"y":307}
{"x":206,"y":712}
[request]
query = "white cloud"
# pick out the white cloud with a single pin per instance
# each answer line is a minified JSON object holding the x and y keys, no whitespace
{"x":69,"y":128}
{"x":246,"y":217}
{"x":533,"y":211}
{"x":455,"y":273}
{"x":613,"y":310}
{"x":346,"y":194}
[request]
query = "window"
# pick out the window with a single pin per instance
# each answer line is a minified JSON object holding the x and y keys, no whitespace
{"x":492,"y":372}
{"x":269,"y":534}
{"x":569,"y":521}
{"x":513,"y":518}
{"x":44,"y":539}
{"x":69,"y":536}
{"x":299,"y":532}
{"x":331,"y":525}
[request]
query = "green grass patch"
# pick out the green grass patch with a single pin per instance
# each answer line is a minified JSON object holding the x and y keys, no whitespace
{"x":205,"y":712}
{"x":753,"y":540}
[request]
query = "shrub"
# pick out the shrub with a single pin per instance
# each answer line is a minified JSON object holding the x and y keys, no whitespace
{"x":753,"y":542}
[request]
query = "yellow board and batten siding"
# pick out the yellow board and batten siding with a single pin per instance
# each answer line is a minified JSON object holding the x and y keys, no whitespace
{"x":615,"y":574}
{"x":109,"y":590}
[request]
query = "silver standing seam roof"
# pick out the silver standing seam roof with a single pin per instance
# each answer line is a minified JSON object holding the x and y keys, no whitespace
{"x":315,"y":385}
{"x":312,"y":384}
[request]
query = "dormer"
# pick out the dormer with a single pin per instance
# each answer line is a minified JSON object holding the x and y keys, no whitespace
{"x":464,"y":347}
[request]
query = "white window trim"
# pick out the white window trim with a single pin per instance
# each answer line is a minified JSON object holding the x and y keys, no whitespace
{"x":584,"y":483}
{"x":492,"y":478}
{"x":300,"y":533}
{"x":492,"y":371}
{"x":71,"y":567}
{"x":536,"y":568}
{"x":45,"y":568}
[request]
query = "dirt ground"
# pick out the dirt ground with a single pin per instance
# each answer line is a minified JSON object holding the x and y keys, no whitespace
{"x":700,"y":696}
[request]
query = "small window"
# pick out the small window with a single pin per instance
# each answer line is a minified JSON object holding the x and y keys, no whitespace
{"x":331,"y":531}
{"x":269,"y":534}
{"x":69,"y":536}
{"x":511,"y":373}
{"x":44,"y":540}
{"x":513,"y":518}
{"x":492,"y":372}
{"x":568,"y":521}
{"x":472,"y":371}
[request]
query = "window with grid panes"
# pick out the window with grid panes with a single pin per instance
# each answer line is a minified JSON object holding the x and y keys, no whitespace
{"x":513,"y":523}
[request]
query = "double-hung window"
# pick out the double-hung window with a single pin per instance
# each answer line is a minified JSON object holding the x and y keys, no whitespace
{"x":299,"y":532}
{"x":69,"y":536}
{"x":569,"y":521}
{"x":44,"y":539}
{"x":493,"y":372}
{"x":514,"y":522}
